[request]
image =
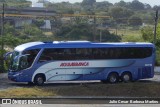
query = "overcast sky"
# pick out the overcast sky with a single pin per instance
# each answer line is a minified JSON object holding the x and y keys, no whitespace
{"x":151,"y":2}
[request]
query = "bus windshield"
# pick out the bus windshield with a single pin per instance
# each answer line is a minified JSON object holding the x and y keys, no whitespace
{"x":14,"y":61}
{"x":24,"y":60}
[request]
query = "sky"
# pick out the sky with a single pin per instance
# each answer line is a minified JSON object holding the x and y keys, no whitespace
{"x":151,"y":2}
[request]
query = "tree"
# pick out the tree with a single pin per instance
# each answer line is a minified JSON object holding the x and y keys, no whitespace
{"x":17,"y":3}
{"x":43,"y":1}
{"x":135,"y":21}
{"x":88,"y":2}
{"x":31,"y":32}
{"x":147,"y":33}
{"x":88,"y":5}
{"x":106,"y":36}
{"x":120,"y":14}
{"x":39,"y":22}
{"x":147,"y":6}
{"x":103,"y":5}
{"x":158,"y":35}
{"x":9,"y":38}
{"x":147,"y":18}
{"x":2,"y":1}
{"x":81,"y":31}
{"x":136,"y":5}
{"x":121,"y":4}
{"x":156,"y":7}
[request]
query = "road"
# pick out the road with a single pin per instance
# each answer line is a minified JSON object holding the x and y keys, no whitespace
{"x":7,"y":84}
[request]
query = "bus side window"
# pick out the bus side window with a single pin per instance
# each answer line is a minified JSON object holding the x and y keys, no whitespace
{"x":46,"y":56}
{"x":31,"y":55}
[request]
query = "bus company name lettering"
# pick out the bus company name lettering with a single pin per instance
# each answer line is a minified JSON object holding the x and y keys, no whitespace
{"x":64,"y":64}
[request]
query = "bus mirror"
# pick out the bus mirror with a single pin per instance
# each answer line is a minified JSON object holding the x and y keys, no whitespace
{"x":7,"y":55}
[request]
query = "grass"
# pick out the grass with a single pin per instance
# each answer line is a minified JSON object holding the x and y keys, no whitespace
{"x":130,"y":38}
{"x":48,"y":33}
{"x":134,"y":89}
{"x":32,"y":92}
{"x":129,"y":35}
{"x":126,"y":32}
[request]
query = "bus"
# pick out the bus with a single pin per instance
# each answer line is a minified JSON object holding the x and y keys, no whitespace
{"x":45,"y":62}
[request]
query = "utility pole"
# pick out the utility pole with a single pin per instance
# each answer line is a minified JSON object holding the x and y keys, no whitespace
{"x":100,"y":33}
{"x":2,"y":44}
{"x":100,"y":39}
{"x":94,"y":28}
{"x":155,"y":28}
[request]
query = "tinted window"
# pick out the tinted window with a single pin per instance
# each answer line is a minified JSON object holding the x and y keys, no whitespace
{"x":95,"y":53}
{"x":31,"y":55}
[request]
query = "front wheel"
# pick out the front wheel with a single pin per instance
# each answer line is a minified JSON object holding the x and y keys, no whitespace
{"x":113,"y":78}
{"x":39,"y":80}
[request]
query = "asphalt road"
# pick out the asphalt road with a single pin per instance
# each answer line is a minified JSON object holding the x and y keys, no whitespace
{"x":7,"y":84}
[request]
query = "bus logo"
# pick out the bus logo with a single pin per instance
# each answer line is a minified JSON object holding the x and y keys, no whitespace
{"x":74,"y":64}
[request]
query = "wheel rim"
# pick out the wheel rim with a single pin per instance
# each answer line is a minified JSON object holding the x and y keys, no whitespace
{"x":40,"y":80}
{"x":113,"y":79}
{"x":126,"y":77}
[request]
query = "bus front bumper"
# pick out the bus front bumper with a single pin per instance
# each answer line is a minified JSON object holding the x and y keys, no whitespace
{"x":14,"y":76}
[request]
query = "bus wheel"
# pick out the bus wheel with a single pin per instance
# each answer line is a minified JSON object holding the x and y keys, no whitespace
{"x":113,"y":78}
{"x":39,"y":80}
{"x":126,"y":77}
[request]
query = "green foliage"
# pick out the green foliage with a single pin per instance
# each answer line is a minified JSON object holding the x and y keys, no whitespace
{"x":156,"y":7}
{"x":76,"y":32}
{"x":135,"y":21}
{"x":131,"y":38}
{"x":121,"y":4}
{"x":88,"y":2}
{"x":147,"y":33}
{"x":147,"y":17}
{"x":120,"y":14}
{"x":103,"y":5}
{"x":38,"y":22}
{"x":106,"y":36}
{"x":136,"y":5}
{"x":17,"y":3}
{"x":31,"y":30}
{"x":13,"y":37}
{"x":157,"y":57}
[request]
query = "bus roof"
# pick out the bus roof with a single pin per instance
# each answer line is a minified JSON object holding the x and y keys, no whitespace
{"x":79,"y":44}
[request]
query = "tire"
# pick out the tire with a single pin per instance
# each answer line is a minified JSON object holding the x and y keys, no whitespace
{"x":126,"y":77}
{"x":39,"y":80}
{"x":113,"y":78}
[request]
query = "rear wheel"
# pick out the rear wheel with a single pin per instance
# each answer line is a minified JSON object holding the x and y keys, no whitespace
{"x":39,"y":80}
{"x":126,"y":77}
{"x":113,"y":78}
